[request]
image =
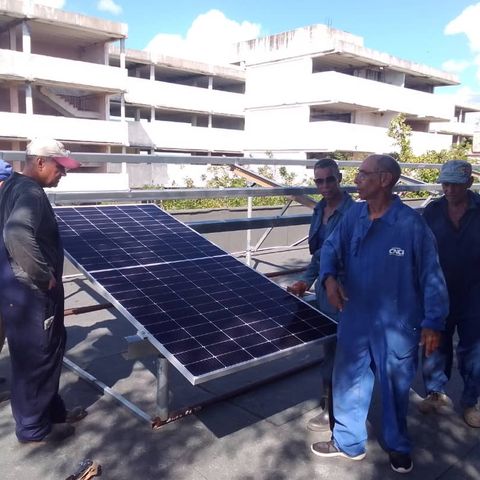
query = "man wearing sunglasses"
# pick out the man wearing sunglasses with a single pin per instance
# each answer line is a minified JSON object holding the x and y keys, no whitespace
{"x":393,"y":297}
{"x":326,"y":217}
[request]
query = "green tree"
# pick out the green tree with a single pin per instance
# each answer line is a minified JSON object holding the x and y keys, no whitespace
{"x":401,"y":133}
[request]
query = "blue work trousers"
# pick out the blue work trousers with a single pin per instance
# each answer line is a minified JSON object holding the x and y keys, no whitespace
{"x":357,"y":362}
{"x":437,"y":368}
{"x":36,"y":338}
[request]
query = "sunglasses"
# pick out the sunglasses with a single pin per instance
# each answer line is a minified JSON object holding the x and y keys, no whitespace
{"x":320,"y":181}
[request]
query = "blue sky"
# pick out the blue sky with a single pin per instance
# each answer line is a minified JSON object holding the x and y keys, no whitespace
{"x":444,"y":34}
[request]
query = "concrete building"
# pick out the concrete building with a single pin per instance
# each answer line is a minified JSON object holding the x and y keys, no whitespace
{"x":298,"y":95}
{"x":333,"y":94}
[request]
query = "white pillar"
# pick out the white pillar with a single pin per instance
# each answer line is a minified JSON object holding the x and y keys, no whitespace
{"x":26,"y":38}
{"x":28,"y":99}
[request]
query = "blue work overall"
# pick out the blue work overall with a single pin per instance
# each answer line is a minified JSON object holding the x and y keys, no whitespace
{"x":395,"y":287}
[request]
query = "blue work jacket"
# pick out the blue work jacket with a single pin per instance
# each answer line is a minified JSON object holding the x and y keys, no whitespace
{"x":316,"y":237}
{"x":459,"y":252}
{"x":393,"y":279}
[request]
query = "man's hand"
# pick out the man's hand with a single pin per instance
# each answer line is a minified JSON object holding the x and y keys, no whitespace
{"x":430,"y":340}
{"x":335,"y":293}
{"x":298,"y":288}
{"x":52,"y":283}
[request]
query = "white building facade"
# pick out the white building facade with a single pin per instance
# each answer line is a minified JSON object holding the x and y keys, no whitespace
{"x":297,"y":95}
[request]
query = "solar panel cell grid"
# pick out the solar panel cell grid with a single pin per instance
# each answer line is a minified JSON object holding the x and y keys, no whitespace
{"x":204,"y":310}
{"x":205,"y":326}
{"x":102,"y":238}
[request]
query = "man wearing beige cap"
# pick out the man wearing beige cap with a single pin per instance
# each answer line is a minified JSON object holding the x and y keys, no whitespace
{"x":32,"y":300}
{"x":455,"y":221}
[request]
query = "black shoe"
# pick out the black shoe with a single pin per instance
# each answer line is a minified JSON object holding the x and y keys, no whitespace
{"x":401,"y":462}
{"x":58,"y":433}
{"x":320,"y":423}
{"x":328,"y":449}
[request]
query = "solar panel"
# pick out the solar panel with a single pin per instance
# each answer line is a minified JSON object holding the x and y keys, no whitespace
{"x":108,"y":237}
{"x":209,"y":315}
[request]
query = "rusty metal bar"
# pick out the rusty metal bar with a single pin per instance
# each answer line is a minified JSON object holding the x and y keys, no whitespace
{"x":90,"y":308}
{"x":158,"y":423}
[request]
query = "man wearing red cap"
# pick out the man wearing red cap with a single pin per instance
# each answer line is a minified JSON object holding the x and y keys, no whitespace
{"x":32,"y":301}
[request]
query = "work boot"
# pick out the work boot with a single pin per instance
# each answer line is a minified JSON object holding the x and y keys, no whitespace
{"x":471,"y":415}
{"x":58,"y":433}
{"x":435,"y":402}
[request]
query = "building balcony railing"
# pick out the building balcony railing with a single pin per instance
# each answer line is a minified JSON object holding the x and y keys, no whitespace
{"x":59,"y":71}
{"x":182,"y":136}
{"x":183,"y":97}
{"x":20,"y":125}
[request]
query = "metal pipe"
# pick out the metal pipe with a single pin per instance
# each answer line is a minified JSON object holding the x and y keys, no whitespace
{"x":162,"y":388}
{"x":106,"y":389}
{"x":279,"y":273}
{"x":269,"y":230}
{"x":248,"y":258}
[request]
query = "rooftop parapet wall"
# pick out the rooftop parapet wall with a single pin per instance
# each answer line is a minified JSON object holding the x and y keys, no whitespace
{"x":374,"y":57}
{"x":29,"y":10}
{"x":321,"y":39}
{"x":193,"y":66}
{"x":301,"y":41}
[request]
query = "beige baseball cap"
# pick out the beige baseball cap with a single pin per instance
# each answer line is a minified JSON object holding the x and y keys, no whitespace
{"x":48,"y":147}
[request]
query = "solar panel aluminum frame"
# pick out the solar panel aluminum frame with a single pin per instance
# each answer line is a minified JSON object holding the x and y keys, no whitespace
{"x":144,"y":334}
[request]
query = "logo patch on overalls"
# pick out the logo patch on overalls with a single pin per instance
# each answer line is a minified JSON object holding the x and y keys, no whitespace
{"x":397,"y":252}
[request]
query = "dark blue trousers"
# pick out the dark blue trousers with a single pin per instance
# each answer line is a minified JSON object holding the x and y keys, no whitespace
{"x":437,"y":368}
{"x":36,"y":338}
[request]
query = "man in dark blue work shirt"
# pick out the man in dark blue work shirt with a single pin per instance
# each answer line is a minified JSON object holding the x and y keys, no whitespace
{"x":455,"y":221}
{"x":393,"y":297}
{"x":326,"y":216}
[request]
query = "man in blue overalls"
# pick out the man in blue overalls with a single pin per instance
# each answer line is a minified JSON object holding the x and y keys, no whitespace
{"x":326,"y":216}
{"x":455,"y":221}
{"x":31,"y":304}
{"x":393,"y":297}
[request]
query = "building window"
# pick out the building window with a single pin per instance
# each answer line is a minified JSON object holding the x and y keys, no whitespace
{"x":325,"y":116}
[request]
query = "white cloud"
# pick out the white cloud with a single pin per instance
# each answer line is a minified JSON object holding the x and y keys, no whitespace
{"x":209,"y":38}
{"x":109,"y":6}
{"x":52,"y":3}
{"x":468,"y":23}
{"x":455,"y":66}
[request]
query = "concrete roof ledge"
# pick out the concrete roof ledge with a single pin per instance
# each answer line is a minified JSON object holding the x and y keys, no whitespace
{"x":147,"y":57}
{"x":396,"y":63}
{"x":30,"y":10}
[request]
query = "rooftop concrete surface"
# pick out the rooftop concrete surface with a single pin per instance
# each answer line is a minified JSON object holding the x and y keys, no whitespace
{"x":259,"y":435}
